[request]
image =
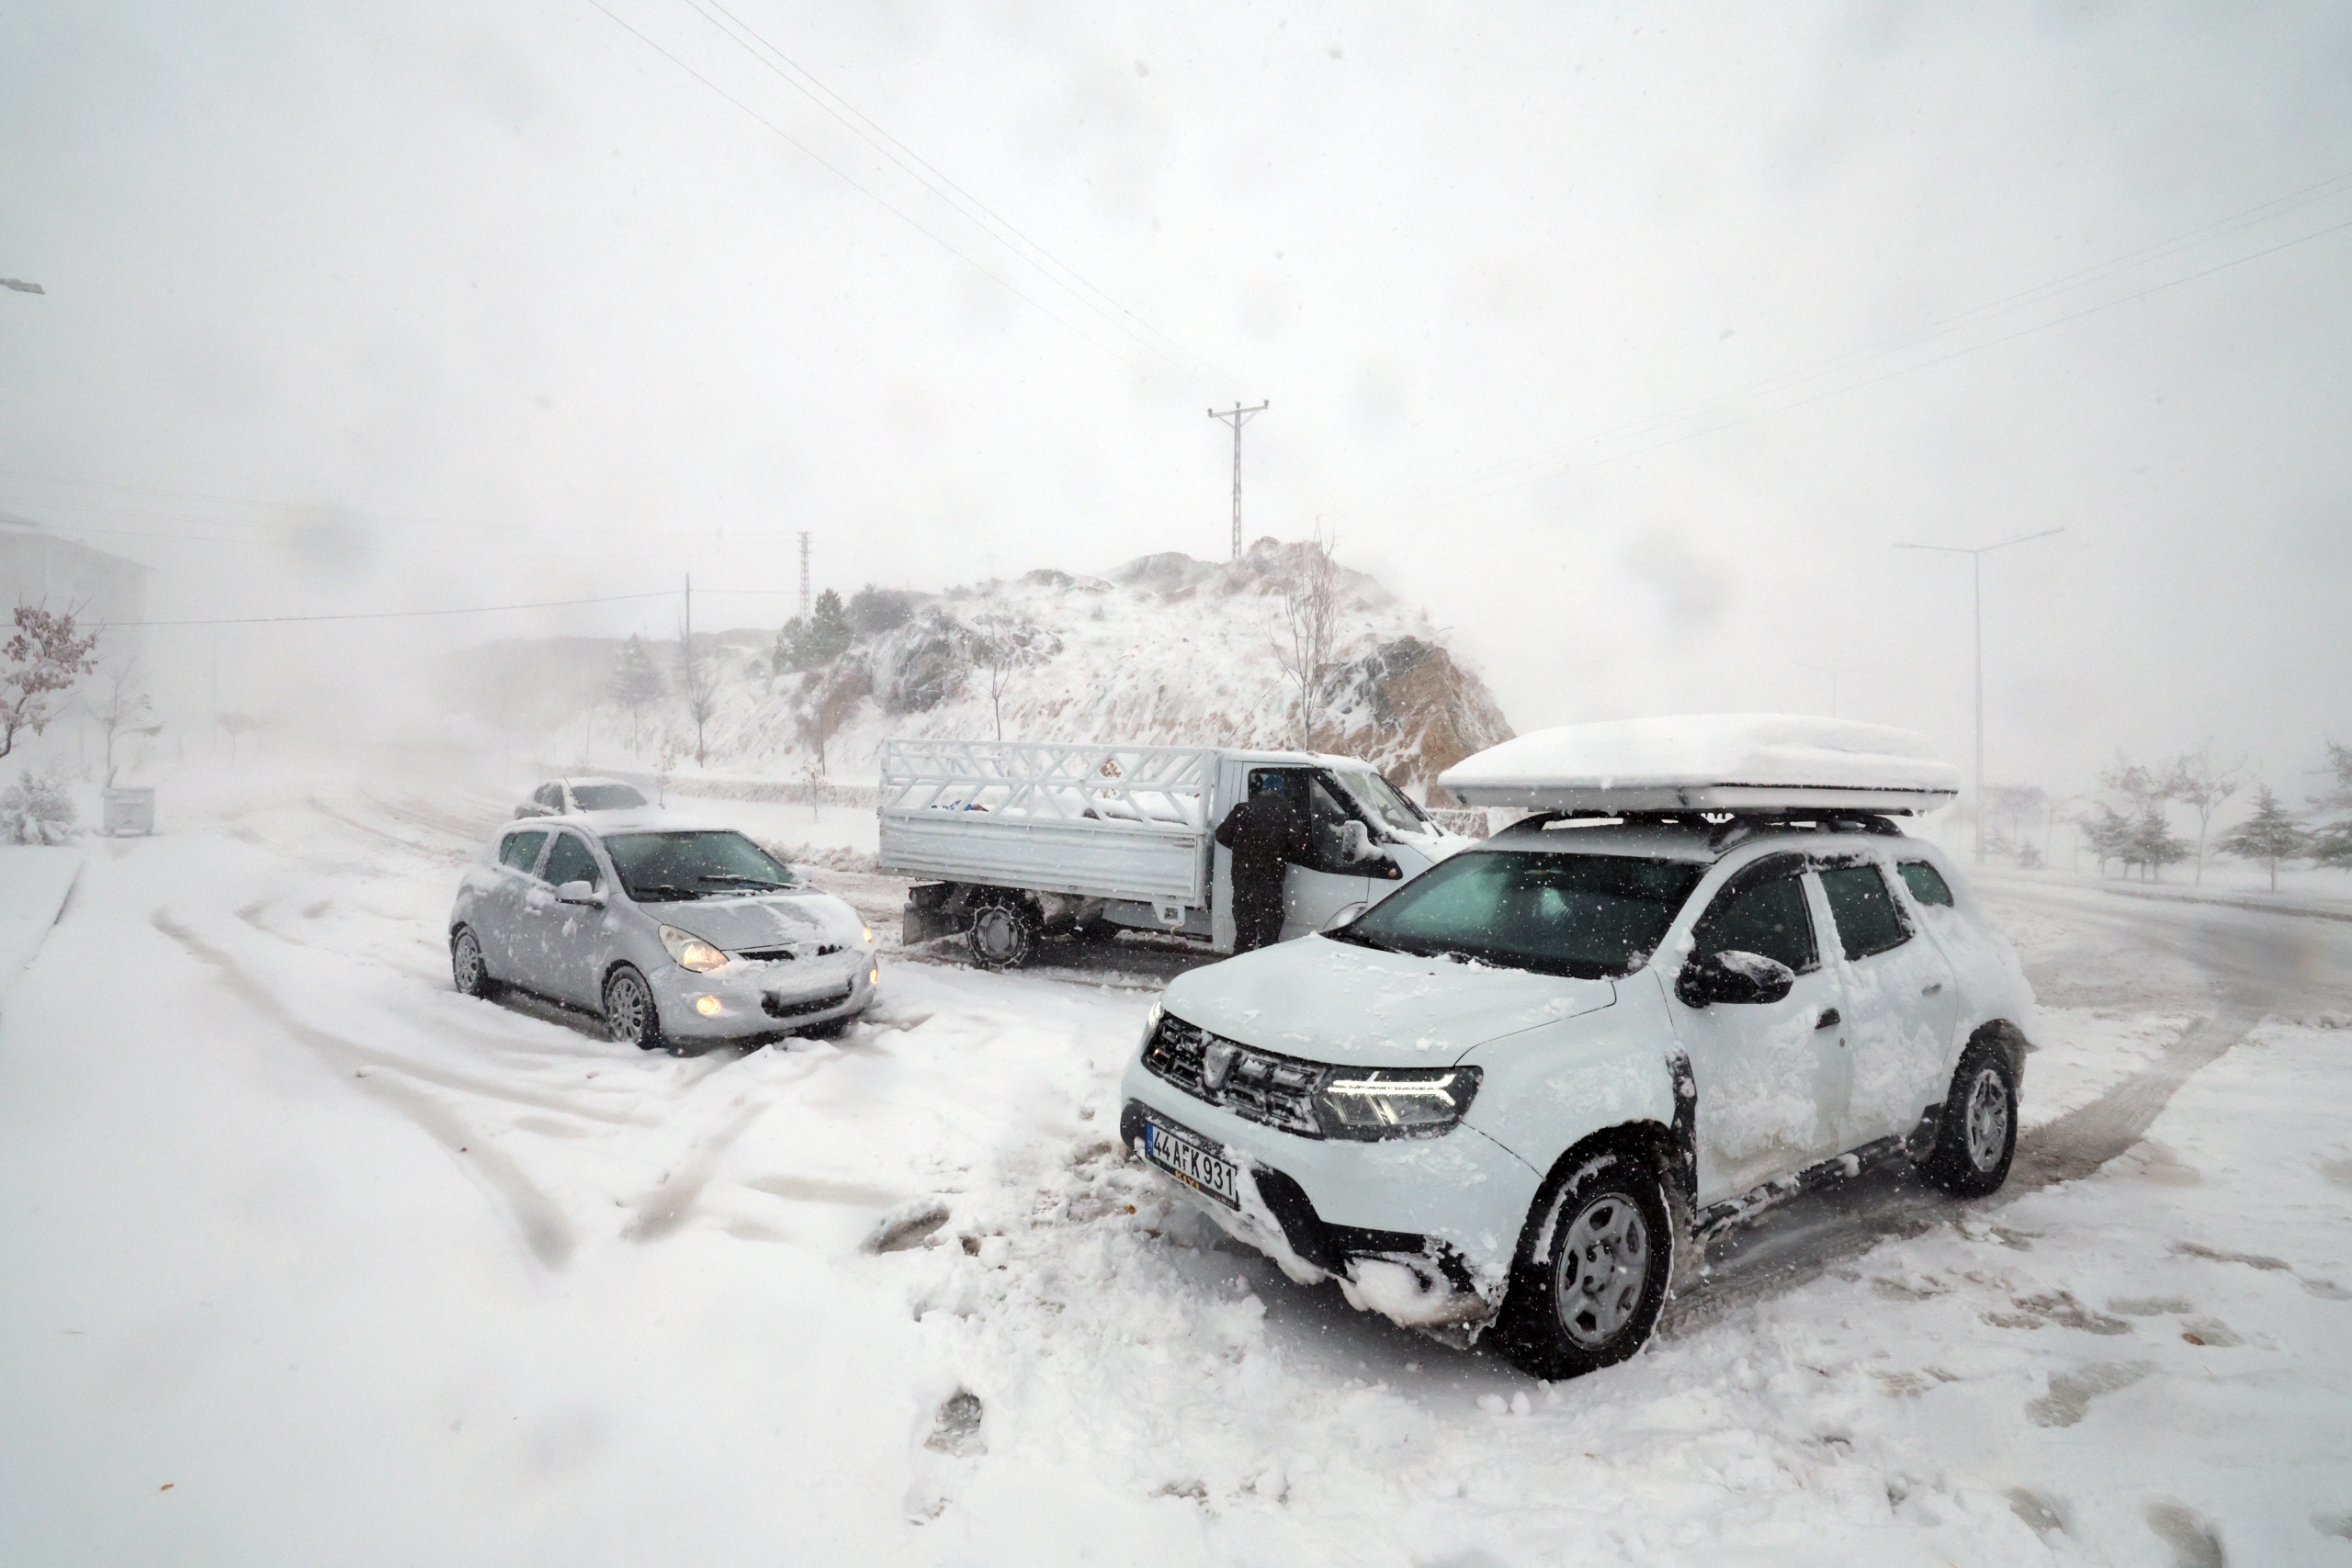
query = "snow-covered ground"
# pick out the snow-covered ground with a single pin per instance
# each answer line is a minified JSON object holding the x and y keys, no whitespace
{"x":309,"y":1259}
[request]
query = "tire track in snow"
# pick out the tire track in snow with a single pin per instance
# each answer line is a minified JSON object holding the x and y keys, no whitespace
{"x":545,"y":1231}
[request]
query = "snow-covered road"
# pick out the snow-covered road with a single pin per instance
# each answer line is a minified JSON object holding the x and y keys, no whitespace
{"x":309,"y":1259}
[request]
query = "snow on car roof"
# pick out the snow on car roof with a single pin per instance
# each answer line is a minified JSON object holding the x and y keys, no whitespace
{"x":1739,"y":763}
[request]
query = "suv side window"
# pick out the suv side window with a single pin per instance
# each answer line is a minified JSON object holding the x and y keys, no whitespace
{"x":1868,"y":922}
{"x":570,"y":861}
{"x":1927,"y":884}
{"x":1763,"y":911}
{"x":521,"y":850}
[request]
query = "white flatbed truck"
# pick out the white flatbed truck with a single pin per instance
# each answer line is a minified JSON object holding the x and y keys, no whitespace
{"x":1011,"y":842}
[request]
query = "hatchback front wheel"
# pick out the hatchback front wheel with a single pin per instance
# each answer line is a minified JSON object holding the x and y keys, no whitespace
{"x":630,"y":1010}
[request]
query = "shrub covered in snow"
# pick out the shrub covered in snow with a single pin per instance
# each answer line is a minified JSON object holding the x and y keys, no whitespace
{"x":35,"y":810}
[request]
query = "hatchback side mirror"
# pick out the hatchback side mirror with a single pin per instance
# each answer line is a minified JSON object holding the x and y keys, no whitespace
{"x":579,"y":893}
{"x":1733,"y":976}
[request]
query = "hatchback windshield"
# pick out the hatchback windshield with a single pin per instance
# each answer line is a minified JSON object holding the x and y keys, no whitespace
{"x":659,"y":868}
{"x":1379,"y":796}
{"x":1587,"y":916}
{"x":606,"y":797}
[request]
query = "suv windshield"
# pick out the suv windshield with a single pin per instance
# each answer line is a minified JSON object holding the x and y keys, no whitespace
{"x":1591,"y":916}
{"x":1381,"y":798}
{"x":606,"y":797}
{"x":657,"y":868}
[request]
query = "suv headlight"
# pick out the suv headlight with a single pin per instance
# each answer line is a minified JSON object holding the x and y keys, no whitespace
{"x":1392,"y":1102}
{"x":691,"y":951}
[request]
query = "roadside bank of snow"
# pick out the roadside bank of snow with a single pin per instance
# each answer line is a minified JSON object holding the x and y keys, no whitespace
{"x":365,"y":1271}
{"x":34,"y":882}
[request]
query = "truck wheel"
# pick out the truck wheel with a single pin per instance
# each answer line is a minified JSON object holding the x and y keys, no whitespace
{"x":1976,"y":1136}
{"x":1003,"y":933}
{"x":1589,"y":1282}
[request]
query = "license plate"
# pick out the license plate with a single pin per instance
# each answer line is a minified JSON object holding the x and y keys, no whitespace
{"x":1192,"y":1162}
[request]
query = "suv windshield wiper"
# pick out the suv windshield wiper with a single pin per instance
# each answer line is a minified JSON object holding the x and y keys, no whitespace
{"x":1350,"y":934}
{"x":738,"y":877}
{"x":662,"y":894}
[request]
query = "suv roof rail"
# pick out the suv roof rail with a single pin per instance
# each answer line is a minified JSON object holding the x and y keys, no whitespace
{"x":1724,"y":827}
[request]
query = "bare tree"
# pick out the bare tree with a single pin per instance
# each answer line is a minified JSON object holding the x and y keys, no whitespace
{"x":121,"y":708}
{"x":1004,"y":642}
{"x":2196,"y":783}
{"x":46,"y":656}
{"x":1309,"y":628}
{"x":698,"y":688}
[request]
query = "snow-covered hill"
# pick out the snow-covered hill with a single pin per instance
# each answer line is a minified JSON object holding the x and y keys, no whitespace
{"x":1166,"y":650}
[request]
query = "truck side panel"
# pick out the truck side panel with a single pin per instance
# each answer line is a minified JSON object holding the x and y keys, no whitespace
{"x":1091,"y":860}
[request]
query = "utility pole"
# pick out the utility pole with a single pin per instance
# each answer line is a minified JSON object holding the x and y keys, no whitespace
{"x":1238,"y":416}
{"x":1833,"y":672}
{"x":804,"y":577}
{"x":1976,"y":589}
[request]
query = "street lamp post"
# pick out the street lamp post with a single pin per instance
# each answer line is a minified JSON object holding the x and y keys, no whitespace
{"x":1976,"y":555}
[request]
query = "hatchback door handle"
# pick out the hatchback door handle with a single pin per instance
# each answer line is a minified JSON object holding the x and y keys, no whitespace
{"x":1929,"y":990}
{"x":1828,"y":1019}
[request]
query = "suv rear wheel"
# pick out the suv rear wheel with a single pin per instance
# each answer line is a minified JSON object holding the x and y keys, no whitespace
{"x":1588,"y":1285}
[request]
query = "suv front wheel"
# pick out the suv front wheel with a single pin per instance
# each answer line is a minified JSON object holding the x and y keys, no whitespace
{"x":1591,"y":1281}
{"x":1976,"y":1137}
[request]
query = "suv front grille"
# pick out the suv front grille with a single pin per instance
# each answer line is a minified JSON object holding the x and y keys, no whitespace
{"x":1258,"y":1085}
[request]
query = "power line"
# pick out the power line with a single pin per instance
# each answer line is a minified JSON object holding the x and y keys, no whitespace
{"x":1553,"y":462}
{"x":1070,"y":280}
{"x":841,"y":175}
{"x":1552,"y":465}
{"x":391,"y":614}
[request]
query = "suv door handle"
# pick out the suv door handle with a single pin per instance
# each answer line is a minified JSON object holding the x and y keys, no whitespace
{"x":1929,"y":990}
{"x":1829,"y":1019}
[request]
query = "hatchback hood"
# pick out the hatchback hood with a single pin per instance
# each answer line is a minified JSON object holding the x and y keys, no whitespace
{"x":768,"y":920}
{"x":1330,"y":1001}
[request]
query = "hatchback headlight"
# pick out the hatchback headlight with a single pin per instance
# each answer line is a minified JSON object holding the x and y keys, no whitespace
{"x":1389,"y":1102}
{"x":691,"y":951}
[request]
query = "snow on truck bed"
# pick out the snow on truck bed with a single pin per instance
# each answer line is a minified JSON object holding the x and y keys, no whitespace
{"x":1708,"y":762}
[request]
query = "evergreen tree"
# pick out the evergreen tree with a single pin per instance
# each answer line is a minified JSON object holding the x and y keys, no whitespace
{"x":635,"y":684}
{"x":2331,"y":842}
{"x":2270,"y":835}
{"x":2153,"y":845}
{"x":2109,"y":834}
{"x":812,"y":644}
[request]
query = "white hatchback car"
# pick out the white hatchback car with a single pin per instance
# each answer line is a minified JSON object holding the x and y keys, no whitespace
{"x":1510,"y":1096}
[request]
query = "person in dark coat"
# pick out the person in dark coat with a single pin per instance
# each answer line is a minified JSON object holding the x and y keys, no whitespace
{"x":1265,"y":832}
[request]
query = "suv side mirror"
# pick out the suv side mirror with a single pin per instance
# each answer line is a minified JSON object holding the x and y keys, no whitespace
{"x":1355,"y":843}
{"x":579,"y":893}
{"x":1733,"y":976}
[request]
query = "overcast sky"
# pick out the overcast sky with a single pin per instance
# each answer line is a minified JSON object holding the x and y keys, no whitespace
{"x":1628,"y":340}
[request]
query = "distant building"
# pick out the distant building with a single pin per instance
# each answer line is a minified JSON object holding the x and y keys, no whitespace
{"x":38,"y":568}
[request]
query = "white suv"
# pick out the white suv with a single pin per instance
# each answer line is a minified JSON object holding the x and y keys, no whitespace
{"x":1511,"y":1095}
